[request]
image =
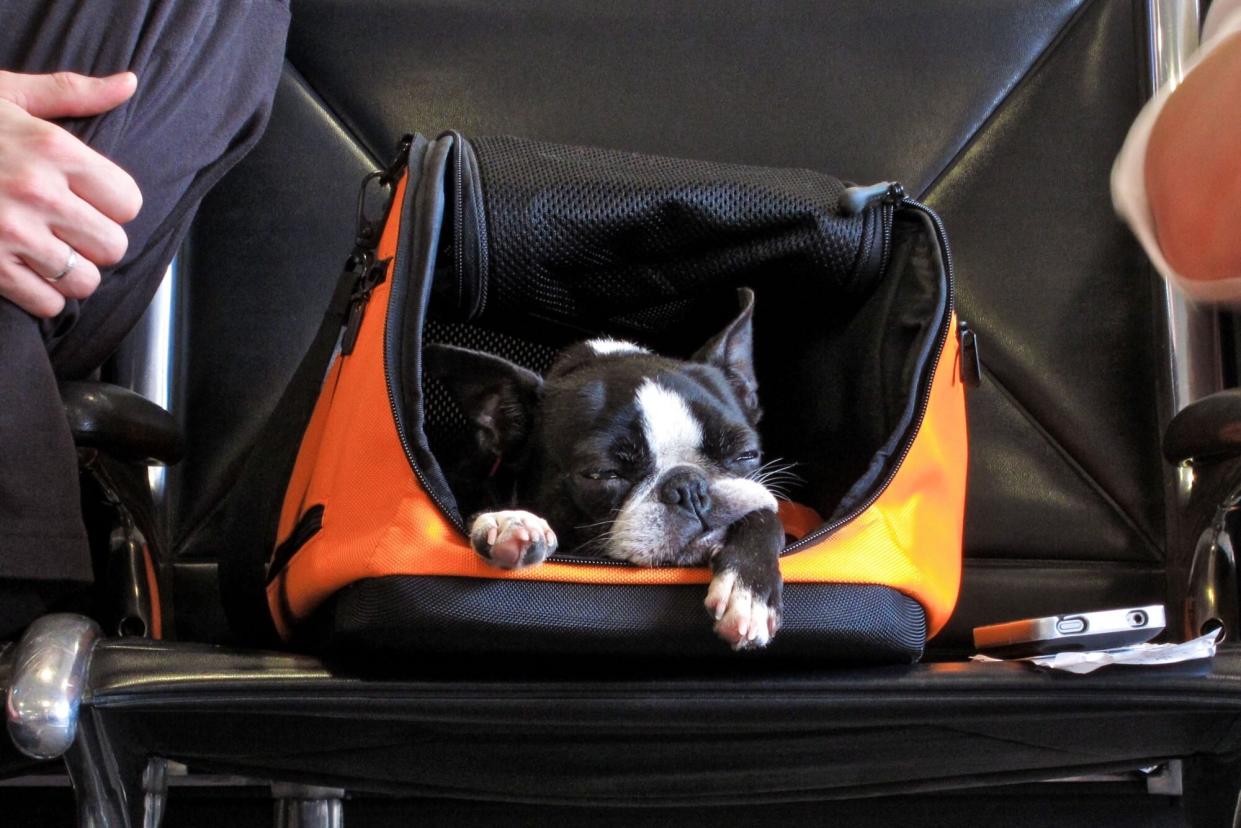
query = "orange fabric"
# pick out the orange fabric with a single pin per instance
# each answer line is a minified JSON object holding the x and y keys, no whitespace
{"x":157,"y":622}
{"x":910,"y":538}
{"x":378,"y":521}
{"x":798,"y":520}
{"x":307,"y":453}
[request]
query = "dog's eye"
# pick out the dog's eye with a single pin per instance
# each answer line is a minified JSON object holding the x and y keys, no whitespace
{"x":602,"y":474}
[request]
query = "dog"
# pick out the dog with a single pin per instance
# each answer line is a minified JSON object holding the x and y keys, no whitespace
{"x":621,"y":453}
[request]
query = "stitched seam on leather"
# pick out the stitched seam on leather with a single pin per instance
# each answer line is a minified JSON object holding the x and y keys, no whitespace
{"x":1228,"y":738}
{"x":1004,"y":740}
{"x":338,"y":119}
{"x":1061,"y":564}
{"x":1026,"y":77}
{"x":1089,"y":479}
{"x":206,"y":514}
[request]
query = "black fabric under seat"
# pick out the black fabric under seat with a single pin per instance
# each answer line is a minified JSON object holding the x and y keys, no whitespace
{"x":535,"y":255}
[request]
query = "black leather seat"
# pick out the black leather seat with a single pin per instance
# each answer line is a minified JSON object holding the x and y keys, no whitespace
{"x":654,"y":737}
{"x":1004,"y":117}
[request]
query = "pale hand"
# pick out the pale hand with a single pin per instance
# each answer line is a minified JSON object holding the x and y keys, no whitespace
{"x":1193,"y":169}
{"x":56,"y":193}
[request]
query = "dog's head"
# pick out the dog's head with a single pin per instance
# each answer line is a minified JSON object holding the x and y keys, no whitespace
{"x":626,"y":453}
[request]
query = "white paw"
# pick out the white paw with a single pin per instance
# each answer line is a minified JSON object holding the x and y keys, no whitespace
{"x":742,"y":618}
{"x":512,"y":539}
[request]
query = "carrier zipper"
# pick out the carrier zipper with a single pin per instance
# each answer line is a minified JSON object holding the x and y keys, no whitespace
{"x":854,"y":200}
{"x":373,"y":275}
{"x":894,"y":191}
{"x":575,"y":559}
{"x":366,"y":239}
{"x":893,"y":195}
{"x":885,"y":195}
{"x":396,"y":300}
{"x":971,"y":361}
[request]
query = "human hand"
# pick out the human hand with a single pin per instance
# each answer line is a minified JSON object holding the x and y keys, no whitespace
{"x":58,"y":197}
{"x":1193,"y":169}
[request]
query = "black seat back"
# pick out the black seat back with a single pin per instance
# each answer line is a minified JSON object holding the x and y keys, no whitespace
{"x":1004,"y":117}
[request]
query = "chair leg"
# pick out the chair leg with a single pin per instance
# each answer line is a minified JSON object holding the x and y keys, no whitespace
{"x":154,"y":792}
{"x":108,"y":783}
{"x":1212,"y":791}
{"x":304,"y":806}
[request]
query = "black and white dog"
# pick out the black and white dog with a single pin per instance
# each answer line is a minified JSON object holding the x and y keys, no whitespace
{"x":624,"y":454}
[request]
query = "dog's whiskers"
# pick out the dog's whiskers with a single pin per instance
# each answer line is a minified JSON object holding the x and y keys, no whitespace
{"x":593,"y":525}
{"x":778,"y":477}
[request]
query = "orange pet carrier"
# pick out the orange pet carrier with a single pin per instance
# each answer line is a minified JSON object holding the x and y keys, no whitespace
{"x":520,"y":248}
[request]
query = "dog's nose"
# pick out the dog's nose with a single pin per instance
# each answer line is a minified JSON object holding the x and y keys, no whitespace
{"x":686,"y":487}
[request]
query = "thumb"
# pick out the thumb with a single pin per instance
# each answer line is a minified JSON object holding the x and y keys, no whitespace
{"x":66,"y":94}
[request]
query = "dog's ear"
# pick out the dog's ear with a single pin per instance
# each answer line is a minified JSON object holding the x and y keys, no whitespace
{"x":496,"y":396}
{"x":732,"y":351}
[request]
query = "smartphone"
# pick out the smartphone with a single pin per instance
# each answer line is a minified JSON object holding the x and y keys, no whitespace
{"x":1102,"y":630}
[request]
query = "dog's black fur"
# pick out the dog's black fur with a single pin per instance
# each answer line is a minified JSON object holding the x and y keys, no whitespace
{"x":575,"y":449}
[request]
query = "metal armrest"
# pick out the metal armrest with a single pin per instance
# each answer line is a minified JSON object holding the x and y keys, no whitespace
{"x":1209,"y":429}
{"x":47,"y":682}
{"x":121,"y":423}
{"x":1208,"y":434}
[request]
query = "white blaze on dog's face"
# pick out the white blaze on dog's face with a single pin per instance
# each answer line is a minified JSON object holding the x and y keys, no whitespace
{"x":695,"y":483}
{"x":631,"y":455}
{"x":636,"y":457}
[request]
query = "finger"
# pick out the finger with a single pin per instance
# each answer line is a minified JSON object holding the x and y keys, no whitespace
{"x":67,"y":94}
{"x":28,"y":290}
{"x":92,"y":234}
{"x":104,"y":185}
{"x":47,"y":256}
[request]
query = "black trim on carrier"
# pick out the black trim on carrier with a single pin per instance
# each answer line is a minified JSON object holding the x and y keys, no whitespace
{"x":397,"y":615}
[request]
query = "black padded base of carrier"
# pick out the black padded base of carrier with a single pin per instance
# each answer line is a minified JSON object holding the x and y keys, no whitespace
{"x":399,"y":615}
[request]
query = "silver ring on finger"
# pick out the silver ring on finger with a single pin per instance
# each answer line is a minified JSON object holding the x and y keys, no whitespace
{"x":70,"y":263}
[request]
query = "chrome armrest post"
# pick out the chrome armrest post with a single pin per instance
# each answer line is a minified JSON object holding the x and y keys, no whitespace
{"x":306,"y":806}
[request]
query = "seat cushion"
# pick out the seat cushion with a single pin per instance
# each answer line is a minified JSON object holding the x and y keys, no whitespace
{"x":654,"y":733}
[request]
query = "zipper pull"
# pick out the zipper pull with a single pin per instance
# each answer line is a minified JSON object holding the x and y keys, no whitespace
{"x":856,"y":199}
{"x":367,"y":282}
{"x":367,"y":234}
{"x":393,"y":171}
{"x":971,"y":362}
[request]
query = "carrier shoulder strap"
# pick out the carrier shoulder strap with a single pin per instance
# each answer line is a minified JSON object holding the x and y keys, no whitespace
{"x":246,"y":522}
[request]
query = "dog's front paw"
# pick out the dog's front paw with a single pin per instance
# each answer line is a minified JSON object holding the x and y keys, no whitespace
{"x":511,"y":540}
{"x":745,"y":617}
